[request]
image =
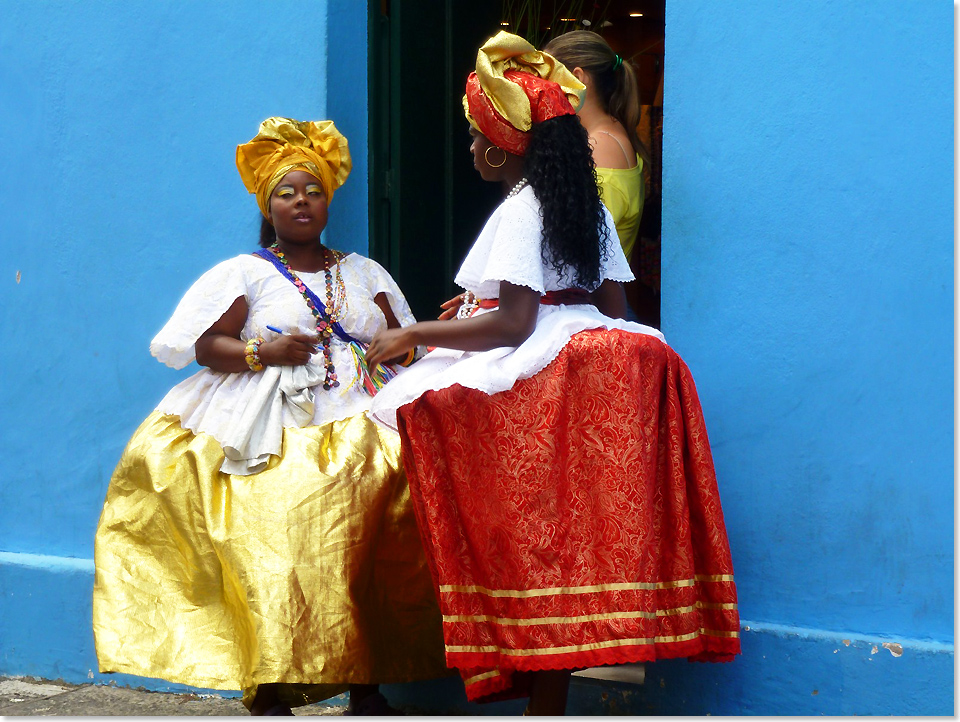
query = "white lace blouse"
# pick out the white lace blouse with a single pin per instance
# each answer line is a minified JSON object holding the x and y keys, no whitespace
{"x":509,"y":249}
{"x":246,"y":412}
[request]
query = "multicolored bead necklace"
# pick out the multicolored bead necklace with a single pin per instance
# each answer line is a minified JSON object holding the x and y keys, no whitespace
{"x":336,"y":305}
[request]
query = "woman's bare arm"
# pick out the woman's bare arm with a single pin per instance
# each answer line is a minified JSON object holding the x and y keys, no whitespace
{"x":384,"y":304}
{"x":610,"y":299}
{"x":509,"y":325}
{"x":220,"y":347}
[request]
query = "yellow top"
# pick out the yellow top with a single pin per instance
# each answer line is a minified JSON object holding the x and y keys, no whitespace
{"x":621,"y":190}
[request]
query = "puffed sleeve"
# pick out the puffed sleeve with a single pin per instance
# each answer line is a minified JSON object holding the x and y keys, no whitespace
{"x":508,"y":250}
{"x":615,"y":267}
{"x":201,"y":306}
{"x":382,"y":282}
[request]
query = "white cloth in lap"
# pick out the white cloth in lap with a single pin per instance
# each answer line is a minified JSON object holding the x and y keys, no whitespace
{"x":509,"y":249}
{"x":246,"y":412}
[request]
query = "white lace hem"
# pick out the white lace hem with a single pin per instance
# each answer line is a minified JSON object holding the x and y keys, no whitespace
{"x":498,"y":369}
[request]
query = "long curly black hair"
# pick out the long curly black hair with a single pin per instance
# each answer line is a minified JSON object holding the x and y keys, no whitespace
{"x":559,"y":167}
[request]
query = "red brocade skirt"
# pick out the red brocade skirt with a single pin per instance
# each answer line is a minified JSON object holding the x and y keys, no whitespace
{"x":574,"y":520}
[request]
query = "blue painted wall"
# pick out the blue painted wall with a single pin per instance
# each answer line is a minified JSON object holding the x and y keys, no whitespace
{"x":120,"y":189}
{"x":123,"y":121}
{"x":807,"y":280}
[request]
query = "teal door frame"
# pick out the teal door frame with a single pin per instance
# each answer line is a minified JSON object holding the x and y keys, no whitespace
{"x":427,"y":203}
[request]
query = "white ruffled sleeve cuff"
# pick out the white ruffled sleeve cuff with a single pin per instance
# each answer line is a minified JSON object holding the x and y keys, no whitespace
{"x":616,"y":266}
{"x":201,"y":306}
{"x":383,"y":283}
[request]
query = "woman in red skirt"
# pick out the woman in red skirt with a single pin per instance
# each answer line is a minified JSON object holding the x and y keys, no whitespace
{"x":557,"y":455}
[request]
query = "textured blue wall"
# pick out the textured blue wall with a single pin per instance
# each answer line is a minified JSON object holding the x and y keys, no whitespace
{"x":123,"y":120}
{"x":808,"y":282}
{"x":808,"y":252}
{"x":348,"y":106}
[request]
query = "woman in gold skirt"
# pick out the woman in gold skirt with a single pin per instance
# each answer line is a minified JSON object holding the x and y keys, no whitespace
{"x":257,"y":532}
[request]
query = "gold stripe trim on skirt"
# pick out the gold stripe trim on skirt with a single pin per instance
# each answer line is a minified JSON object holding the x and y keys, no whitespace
{"x":481,"y":677}
{"x":529,"y":652}
{"x":718,"y":633}
{"x":511,"y":621}
{"x":617,"y":587}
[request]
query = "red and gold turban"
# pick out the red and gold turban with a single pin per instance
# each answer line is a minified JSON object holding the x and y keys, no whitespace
{"x":284,"y":145}
{"x":515,"y":87}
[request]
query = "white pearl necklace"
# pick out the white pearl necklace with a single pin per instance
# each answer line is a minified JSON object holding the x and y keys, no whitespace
{"x":517,"y":188}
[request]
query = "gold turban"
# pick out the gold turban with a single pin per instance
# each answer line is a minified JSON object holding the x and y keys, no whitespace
{"x":284,"y":145}
{"x":504,"y":52}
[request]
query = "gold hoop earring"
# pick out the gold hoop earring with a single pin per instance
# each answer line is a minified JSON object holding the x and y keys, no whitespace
{"x":488,"y":160}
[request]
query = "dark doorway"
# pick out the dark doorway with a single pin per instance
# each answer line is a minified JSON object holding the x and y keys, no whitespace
{"x":427,"y":203}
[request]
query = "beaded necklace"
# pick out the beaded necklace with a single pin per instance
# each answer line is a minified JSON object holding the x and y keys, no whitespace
{"x":521,"y":184}
{"x":336,"y":305}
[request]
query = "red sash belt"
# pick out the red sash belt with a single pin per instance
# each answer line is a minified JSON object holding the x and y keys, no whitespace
{"x":570,"y":296}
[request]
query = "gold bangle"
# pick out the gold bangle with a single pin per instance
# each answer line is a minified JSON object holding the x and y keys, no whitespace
{"x":252,"y":354}
{"x":409,"y":358}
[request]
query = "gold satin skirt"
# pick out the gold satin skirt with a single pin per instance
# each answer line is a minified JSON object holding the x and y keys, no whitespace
{"x":310,"y":573}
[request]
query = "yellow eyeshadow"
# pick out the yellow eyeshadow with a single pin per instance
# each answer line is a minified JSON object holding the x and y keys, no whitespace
{"x":288,"y":191}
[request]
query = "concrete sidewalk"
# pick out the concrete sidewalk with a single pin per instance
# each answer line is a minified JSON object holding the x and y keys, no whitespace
{"x":28,"y":696}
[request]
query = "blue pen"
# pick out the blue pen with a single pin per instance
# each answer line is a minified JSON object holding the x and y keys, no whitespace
{"x":277,"y":330}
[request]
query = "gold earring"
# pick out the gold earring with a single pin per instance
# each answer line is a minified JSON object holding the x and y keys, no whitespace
{"x":488,"y":160}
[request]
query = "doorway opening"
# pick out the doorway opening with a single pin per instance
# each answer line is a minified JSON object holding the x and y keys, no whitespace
{"x":427,"y":202}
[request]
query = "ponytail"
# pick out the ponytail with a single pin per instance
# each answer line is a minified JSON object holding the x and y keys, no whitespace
{"x":614,"y":78}
{"x":624,"y":105}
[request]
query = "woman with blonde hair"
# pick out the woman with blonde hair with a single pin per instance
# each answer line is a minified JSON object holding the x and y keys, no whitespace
{"x":257,"y":532}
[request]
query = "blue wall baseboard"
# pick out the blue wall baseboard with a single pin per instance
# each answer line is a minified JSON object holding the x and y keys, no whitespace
{"x":45,"y":631}
{"x":789,"y":671}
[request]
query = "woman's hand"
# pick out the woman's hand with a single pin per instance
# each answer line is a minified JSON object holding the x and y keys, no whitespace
{"x":293,"y":349}
{"x":509,"y":325}
{"x":389,"y":344}
{"x":451,"y":307}
{"x":220,"y":347}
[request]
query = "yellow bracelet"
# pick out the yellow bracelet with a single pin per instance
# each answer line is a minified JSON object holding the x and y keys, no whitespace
{"x":252,"y":354}
{"x":409,"y":358}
